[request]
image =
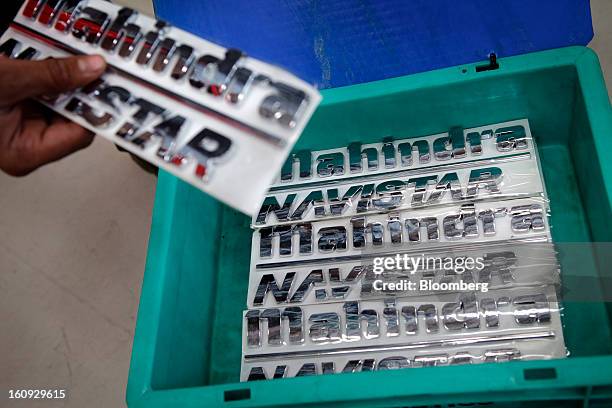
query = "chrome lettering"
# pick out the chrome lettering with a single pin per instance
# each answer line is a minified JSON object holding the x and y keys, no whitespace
{"x":304,"y":158}
{"x":167,"y":48}
{"x":90,"y":27}
{"x":151,"y":43}
{"x":70,"y":10}
{"x":93,"y":116}
{"x":285,"y":105}
{"x":185,"y":58}
{"x":511,"y":138}
{"x":131,"y":40}
{"x":49,"y":11}
{"x":116,"y":32}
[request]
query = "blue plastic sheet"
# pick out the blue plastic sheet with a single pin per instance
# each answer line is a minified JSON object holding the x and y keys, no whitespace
{"x":336,"y":43}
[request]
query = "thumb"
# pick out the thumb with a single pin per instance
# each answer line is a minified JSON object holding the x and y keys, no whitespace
{"x":25,"y":79}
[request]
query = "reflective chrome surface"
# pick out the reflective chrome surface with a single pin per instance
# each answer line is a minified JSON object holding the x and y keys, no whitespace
{"x":468,"y":317}
{"x":455,"y":146}
{"x":484,"y":180}
{"x":504,"y":265}
{"x":217,"y":108}
{"x":390,"y":360}
{"x":438,"y":227}
{"x":492,"y":208}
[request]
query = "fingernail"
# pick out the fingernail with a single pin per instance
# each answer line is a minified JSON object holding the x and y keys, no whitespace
{"x":91,"y":63}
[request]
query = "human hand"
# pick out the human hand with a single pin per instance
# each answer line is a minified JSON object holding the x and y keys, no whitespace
{"x":30,"y":134}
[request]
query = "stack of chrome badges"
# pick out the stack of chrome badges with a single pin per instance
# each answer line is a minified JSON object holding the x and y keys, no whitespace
{"x":424,"y":251}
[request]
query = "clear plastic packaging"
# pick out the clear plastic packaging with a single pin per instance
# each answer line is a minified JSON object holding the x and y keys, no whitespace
{"x":313,"y":169}
{"x":500,"y":265}
{"x":537,"y":346}
{"x":439,"y":323}
{"x":516,"y":176}
{"x":442,"y":256}
{"x":408,"y":230}
{"x":360,"y":324}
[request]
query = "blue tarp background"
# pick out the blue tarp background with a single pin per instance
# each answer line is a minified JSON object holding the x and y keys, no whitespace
{"x":340,"y":42}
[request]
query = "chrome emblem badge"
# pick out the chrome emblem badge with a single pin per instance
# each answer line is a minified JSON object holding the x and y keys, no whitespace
{"x":214,"y":117}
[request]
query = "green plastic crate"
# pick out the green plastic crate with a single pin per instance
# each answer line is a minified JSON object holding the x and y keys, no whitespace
{"x":187,"y":347}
